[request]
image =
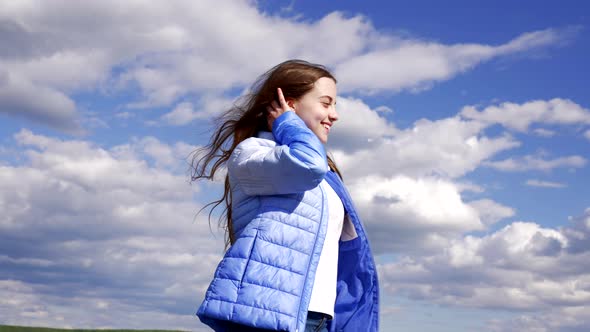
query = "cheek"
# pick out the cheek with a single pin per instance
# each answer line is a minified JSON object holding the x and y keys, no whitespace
{"x":319,"y":113}
{"x":307,"y":114}
{"x":314,"y":118}
{"x":310,"y":123}
{"x":312,"y":114}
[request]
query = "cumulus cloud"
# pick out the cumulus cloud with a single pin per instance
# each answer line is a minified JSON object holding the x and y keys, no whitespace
{"x":29,"y":304}
{"x":491,"y":212}
{"x":170,"y":157}
{"x":173,"y":50}
{"x":38,"y":103}
{"x":124,"y":115}
{"x":449,"y":147}
{"x":208,"y":107}
{"x":520,"y":116}
{"x":578,"y":233}
{"x":121,"y":220}
{"x":465,"y":186}
{"x":406,"y":214}
{"x":182,"y":114}
{"x":522,"y":266}
{"x":531,"y":162}
{"x":383,"y":109}
{"x":412,"y":198}
{"x":359,"y":127}
{"x":570,"y":319}
{"x":415,"y":64}
{"x":412,"y":205}
{"x":544,"y":132}
{"x":544,"y":184}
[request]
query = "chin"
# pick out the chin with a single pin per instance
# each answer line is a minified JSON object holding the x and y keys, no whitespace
{"x":322,"y":138}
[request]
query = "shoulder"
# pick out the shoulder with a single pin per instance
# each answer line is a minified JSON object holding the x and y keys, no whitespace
{"x":253,"y":143}
{"x":257,"y":141}
{"x":249,"y":146}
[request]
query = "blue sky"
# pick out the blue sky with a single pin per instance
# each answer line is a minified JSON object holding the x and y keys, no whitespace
{"x":464,"y":140}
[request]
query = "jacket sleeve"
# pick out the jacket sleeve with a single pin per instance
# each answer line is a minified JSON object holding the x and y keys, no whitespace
{"x":297,"y":163}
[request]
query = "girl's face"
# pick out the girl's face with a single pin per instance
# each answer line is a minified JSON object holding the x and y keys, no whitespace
{"x":317,"y":108}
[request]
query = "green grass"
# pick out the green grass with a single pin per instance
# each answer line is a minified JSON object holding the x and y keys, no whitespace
{"x":10,"y":328}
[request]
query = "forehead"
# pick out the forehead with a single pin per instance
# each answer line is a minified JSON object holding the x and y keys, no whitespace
{"x":324,"y":86}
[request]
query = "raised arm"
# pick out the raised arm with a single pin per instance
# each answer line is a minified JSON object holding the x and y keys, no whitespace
{"x":297,"y":163}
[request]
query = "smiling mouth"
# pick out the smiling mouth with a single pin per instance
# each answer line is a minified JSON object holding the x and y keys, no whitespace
{"x":327,"y":126}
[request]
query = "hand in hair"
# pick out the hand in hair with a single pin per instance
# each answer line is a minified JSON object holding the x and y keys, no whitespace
{"x":275,"y":110}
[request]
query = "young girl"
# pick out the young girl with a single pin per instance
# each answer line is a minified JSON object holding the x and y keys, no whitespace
{"x":298,"y":257}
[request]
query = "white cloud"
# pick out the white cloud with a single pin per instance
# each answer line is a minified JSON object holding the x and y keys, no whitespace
{"x":541,"y":274}
{"x":522,"y":266}
{"x":468,"y":186}
{"x":38,"y":103}
{"x":415,"y":64}
{"x":173,"y":158}
{"x":124,"y":115}
{"x":448,"y":147}
{"x":179,"y":49}
{"x":411,"y":199}
{"x":532,"y":40}
{"x":27,"y":304}
{"x":209,"y":106}
{"x":358,"y":126}
{"x":531,"y":162}
{"x":491,"y":212}
{"x":123,"y":227}
{"x":544,"y":184}
{"x":520,"y":116}
{"x":401,"y":212}
{"x":578,"y":234}
{"x":570,"y":319}
{"x":544,"y":132}
{"x":383,"y":109}
{"x":182,"y":114}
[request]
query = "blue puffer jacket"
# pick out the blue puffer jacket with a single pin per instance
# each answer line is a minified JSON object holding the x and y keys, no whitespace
{"x":280,"y":219}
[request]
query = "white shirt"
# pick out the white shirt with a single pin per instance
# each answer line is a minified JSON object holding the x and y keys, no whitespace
{"x":323,"y":295}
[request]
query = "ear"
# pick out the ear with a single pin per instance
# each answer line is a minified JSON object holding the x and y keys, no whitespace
{"x":291,"y":103}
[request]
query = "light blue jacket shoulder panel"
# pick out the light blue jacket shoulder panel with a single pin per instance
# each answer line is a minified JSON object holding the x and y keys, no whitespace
{"x":296,"y":162}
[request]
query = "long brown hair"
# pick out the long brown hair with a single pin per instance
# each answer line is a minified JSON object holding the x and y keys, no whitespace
{"x":245,"y":119}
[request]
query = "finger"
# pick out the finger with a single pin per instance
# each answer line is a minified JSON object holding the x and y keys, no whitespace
{"x":274,"y":104}
{"x":282,"y":100}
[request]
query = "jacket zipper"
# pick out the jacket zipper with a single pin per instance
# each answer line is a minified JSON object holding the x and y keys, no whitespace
{"x":314,"y":247}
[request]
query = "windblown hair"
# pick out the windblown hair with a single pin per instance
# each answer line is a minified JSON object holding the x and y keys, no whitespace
{"x":245,"y":119}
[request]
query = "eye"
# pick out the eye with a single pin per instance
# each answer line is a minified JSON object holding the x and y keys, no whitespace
{"x":326,"y":105}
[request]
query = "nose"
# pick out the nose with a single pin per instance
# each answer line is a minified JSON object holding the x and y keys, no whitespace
{"x":333,"y":115}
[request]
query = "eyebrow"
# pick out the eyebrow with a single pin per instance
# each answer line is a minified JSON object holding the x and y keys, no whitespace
{"x":329,"y":97}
